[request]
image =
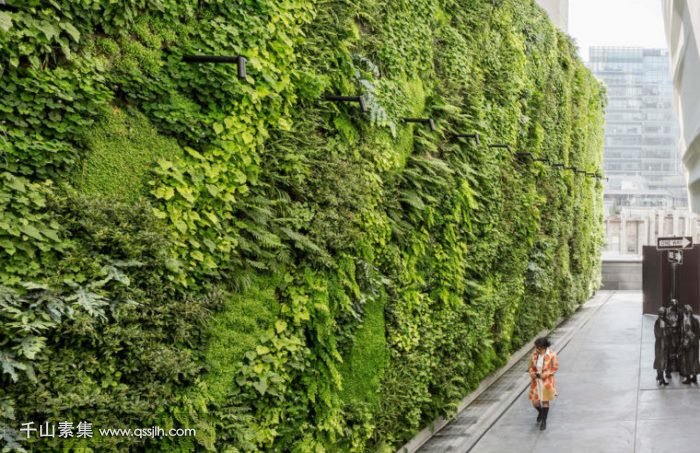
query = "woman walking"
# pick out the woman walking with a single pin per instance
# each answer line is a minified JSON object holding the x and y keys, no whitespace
{"x":543,"y":389}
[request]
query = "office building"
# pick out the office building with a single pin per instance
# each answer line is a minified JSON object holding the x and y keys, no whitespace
{"x":682,"y":20}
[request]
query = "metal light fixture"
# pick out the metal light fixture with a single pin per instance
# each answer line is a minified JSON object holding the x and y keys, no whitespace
{"x":474,"y":137}
{"x":428,"y":121}
{"x":238,"y":59}
{"x":359,"y":99}
{"x":500,"y":145}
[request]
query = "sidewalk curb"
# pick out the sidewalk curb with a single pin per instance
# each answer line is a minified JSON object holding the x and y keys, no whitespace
{"x":491,"y":416}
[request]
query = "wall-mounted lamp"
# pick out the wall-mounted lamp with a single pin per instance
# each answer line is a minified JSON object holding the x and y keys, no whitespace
{"x":238,"y":59}
{"x":500,"y":145}
{"x":359,"y":99}
{"x":523,"y":154}
{"x":474,"y":137}
{"x":428,"y":121}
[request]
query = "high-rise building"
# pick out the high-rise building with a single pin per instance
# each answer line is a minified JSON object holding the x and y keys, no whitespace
{"x":641,"y":155}
{"x":558,"y":11}
{"x":682,"y":19}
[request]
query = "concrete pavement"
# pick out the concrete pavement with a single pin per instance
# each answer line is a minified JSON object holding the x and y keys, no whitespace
{"x":480,"y":410}
{"x":608,"y":397}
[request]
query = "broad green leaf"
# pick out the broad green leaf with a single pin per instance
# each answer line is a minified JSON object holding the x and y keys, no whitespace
{"x":30,"y":230}
{"x":71,"y":30}
{"x":5,"y":21}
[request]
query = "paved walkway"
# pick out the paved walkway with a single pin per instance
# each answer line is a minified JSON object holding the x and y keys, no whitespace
{"x":608,"y":397}
{"x":483,"y":410}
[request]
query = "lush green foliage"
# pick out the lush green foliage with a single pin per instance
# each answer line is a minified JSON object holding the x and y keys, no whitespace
{"x":183,"y":248}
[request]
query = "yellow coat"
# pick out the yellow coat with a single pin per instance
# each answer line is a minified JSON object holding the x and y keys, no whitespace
{"x":548,"y":381}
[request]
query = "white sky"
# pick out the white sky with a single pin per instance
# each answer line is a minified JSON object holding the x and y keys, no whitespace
{"x":629,"y":23}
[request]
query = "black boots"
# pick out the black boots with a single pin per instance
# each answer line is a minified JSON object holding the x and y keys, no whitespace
{"x":539,"y":414}
{"x":543,"y":423}
{"x":660,"y":378}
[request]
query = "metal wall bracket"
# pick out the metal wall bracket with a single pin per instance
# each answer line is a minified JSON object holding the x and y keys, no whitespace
{"x":359,"y":99}
{"x":428,"y":121}
{"x":238,"y":59}
{"x":474,"y":137}
{"x":501,"y":145}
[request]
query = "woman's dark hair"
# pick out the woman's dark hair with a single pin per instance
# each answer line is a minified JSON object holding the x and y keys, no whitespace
{"x":542,"y":342}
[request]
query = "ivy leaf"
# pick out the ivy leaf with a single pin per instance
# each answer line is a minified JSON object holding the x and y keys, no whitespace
{"x":261,"y":386}
{"x":186,"y":193}
{"x":158,"y":214}
{"x":48,"y":29}
{"x":31,"y":231}
{"x":5,"y":21}
{"x":15,"y":183}
{"x":194,"y":153}
{"x":71,"y":30}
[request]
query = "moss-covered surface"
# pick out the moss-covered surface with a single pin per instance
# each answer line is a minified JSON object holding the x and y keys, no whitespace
{"x":122,"y":150}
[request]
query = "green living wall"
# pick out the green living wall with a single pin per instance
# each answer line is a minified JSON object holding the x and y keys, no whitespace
{"x":186,"y":249}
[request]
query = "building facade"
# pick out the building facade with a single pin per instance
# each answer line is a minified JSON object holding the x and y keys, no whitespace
{"x":558,"y":11}
{"x":646,"y":195}
{"x":641,"y":155}
{"x":682,"y":20}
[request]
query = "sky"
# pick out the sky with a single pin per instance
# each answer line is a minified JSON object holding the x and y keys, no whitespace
{"x":629,"y":23}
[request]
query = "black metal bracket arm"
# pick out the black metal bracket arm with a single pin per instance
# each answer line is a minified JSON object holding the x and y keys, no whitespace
{"x":474,"y":137}
{"x":524,"y":154}
{"x":359,"y":99}
{"x":238,"y":59}
{"x":428,"y":121}
{"x":500,"y":145}
{"x":5,"y":7}
{"x":558,"y":165}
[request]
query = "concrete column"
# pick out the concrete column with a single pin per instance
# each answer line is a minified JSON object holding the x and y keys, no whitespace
{"x":644,"y":237}
{"x":623,"y":235}
{"x":651,"y":238}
